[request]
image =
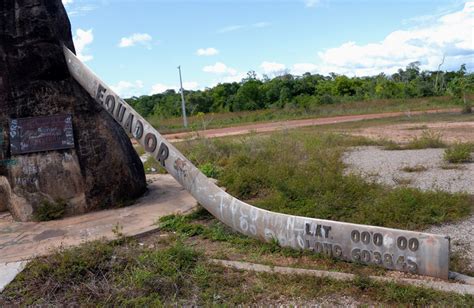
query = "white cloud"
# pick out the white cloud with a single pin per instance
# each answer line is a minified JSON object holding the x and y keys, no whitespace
{"x":224,"y":73}
{"x":450,"y":35}
{"x":128,"y":89}
{"x":230,"y":28}
{"x":237,"y":77}
{"x":191,"y":85}
{"x":312,"y":3}
{"x":261,"y":24}
{"x":207,"y":51}
{"x":272,"y":68}
{"x":81,"y":40}
{"x":80,"y":9}
{"x":136,"y":38}
{"x":160,"y":88}
{"x":301,"y":68}
{"x":219,"y":68}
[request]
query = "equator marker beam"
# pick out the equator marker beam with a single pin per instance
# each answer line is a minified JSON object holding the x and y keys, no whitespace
{"x":408,"y":251}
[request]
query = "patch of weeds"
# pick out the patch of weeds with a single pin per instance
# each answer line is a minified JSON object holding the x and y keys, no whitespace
{"x":210,"y":170}
{"x":200,"y":213}
{"x":363,"y":282}
{"x":307,"y":178}
{"x":50,"y":210}
{"x":417,"y":168}
{"x":391,"y":146}
{"x":458,"y":262}
{"x":139,"y":149}
{"x":45,"y":278}
{"x":218,"y":232}
{"x":117,"y":230}
{"x":111,"y":274}
{"x":411,"y":295}
{"x":180,"y":224}
{"x":459,"y":153}
{"x":428,"y":139}
{"x":126,"y":274}
{"x":167,"y":272}
{"x":412,"y":209}
{"x":151,"y":166}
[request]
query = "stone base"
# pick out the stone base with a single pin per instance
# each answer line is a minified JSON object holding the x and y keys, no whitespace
{"x":5,"y":194}
{"x":20,"y":209}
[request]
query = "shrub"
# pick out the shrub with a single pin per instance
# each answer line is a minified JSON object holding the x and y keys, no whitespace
{"x":326,"y":99}
{"x":428,"y":139}
{"x":50,"y":210}
{"x":209,"y":170}
{"x":458,"y":153}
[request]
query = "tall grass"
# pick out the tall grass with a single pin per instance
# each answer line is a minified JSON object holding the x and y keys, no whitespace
{"x":459,"y":153}
{"x":303,"y":174}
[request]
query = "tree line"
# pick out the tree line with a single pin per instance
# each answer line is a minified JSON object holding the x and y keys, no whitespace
{"x":307,"y":90}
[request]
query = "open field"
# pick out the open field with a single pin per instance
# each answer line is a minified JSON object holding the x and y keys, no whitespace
{"x":219,"y":120}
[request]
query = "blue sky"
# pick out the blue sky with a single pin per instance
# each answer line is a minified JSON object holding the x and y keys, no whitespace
{"x":136,"y":46}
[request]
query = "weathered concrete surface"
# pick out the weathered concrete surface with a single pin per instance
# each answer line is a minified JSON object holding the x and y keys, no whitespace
{"x":5,"y":194}
{"x":102,"y":169}
{"x":436,"y":285}
{"x":8,"y":272}
{"x":25,"y":240}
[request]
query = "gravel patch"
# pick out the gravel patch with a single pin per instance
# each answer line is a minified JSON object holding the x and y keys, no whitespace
{"x":462,"y":238}
{"x":386,"y":167}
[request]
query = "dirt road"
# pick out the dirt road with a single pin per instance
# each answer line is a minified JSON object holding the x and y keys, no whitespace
{"x":273,"y":126}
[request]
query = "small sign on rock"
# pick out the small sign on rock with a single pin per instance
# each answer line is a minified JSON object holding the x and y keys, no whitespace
{"x":39,"y":134}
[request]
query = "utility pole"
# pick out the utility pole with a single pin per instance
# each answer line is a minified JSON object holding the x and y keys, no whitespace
{"x":183,"y":102}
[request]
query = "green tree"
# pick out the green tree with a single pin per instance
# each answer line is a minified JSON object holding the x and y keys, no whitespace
{"x":460,"y":87}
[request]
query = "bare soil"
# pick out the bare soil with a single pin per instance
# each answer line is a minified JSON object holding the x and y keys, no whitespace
{"x":450,"y":132}
{"x":274,"y":126}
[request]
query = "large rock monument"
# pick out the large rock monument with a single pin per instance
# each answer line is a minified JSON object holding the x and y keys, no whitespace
{"x":57,"y":145}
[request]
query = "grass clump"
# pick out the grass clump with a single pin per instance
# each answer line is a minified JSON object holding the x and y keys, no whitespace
{"x":427,"y":140}
{"x":209,"y":170}
{"x":48,"y":210}
{"x":459,"y":153}
{"x":390,"y":145}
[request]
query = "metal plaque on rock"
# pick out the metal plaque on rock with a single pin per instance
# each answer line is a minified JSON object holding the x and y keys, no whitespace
{"x":39,"y":134}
